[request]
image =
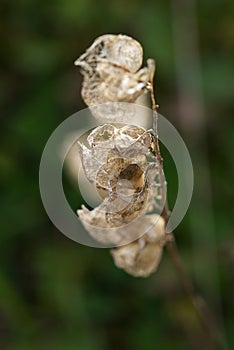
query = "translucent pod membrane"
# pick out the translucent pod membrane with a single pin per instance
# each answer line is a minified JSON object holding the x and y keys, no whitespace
{"x":120,"y":50}
{"x":119,"y":161}
{"x":111,"y":71}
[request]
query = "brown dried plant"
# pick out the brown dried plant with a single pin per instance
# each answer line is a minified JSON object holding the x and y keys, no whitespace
{"x":124,"y":161}
{"x":119,"y":159}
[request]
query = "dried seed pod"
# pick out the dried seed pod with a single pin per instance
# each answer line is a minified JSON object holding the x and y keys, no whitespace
{"x":136,"y":261}
{"x":142,"y":257}
{"x":110,"y":69}
{"x":117,"y":162}
{"x":120,"y":50}
{"x":110,"y":142}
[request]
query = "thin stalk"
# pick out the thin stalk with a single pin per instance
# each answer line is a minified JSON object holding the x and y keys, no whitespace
{"x":208,"y":323}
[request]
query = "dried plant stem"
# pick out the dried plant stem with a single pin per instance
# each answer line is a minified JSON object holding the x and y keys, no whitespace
{"x":155,"y":123}
{"x":206,"y":318}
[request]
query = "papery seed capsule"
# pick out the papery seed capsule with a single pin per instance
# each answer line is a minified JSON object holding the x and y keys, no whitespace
{"x":120,"y":50}
{"x":111,"y":70}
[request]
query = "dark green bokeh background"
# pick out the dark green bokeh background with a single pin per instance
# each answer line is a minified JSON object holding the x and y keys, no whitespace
{"x":55,"y":293}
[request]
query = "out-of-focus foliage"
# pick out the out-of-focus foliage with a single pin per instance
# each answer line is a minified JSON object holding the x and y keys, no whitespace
{"x":54,"y":293}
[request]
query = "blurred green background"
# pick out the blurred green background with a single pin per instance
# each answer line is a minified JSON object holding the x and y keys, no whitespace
{"x":55,"y":293}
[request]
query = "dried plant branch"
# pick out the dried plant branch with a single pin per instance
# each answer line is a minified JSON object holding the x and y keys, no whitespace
{"x":112,"y":73}
{"x":155,"y":107}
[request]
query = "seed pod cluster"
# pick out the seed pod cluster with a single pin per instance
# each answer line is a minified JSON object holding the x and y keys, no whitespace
{"x":119,"y":159}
